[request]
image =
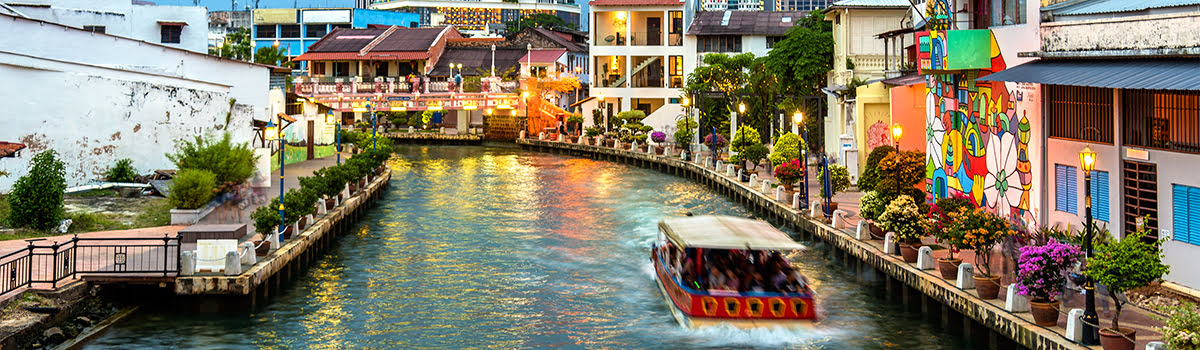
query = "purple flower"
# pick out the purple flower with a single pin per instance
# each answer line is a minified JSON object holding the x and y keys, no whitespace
{"x":1041,"y":270}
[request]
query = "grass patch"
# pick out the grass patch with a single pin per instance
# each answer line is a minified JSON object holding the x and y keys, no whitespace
{"x":157,"y":213}
{"x":91,"y":222}
{"x":4,"y":210}
{"x":108,"y":192}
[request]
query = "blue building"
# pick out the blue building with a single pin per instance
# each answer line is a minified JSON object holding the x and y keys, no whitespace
{"x":295,"y":29}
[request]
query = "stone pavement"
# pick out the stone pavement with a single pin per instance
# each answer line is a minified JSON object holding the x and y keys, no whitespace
{"x":230,"y":213}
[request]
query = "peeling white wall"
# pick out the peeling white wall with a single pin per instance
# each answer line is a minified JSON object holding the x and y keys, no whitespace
{"x":122,"y":18}
{"x":98,"y":98}
{"x":1123,"y":33}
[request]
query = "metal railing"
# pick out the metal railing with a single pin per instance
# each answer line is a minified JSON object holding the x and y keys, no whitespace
{"x":40,"y":264}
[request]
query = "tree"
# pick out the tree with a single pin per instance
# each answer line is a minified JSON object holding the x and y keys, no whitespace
{"x":540,"y":20}
{"x":275,"y":56}
{"x":36,"y":199}
{"x":802,"y":59}
{"x":236,"y":46}
{"x":720,"y":73}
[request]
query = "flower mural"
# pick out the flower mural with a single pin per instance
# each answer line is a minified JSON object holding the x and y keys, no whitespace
{"x":1002,"y":186}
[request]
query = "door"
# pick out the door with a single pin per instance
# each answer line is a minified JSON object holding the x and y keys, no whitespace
{"x":310,"y":138}
{"x":654,"y":31}
{"x":381,"y":69}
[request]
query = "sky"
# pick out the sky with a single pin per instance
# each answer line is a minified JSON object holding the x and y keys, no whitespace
{"x":223,"y":5}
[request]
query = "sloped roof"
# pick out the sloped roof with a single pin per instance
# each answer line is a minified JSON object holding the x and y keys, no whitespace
{"x":558,"y":38}
{"x":726,"y":232}
{"x":543,"y":56}
{"x":8,"y":149}
{"x":872,"y":3}
{"x":744,"y":22}
{"x":1114,"y":6}
{"x":634,"y":2}
{"x":345,"y":40}
{"x":476,"y":59}
{"x":409,"y":39}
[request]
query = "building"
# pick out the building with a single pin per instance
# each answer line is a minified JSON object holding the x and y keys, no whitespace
{"x":221,"y":23}
{"x":472,"y":17}
{"x":859,"y":117}
{"x":184,"y":27}
{"x":796,"y":5}
{"x":1122,"y":79}
{"x":96,"y":97}
{"x":295,"y":30}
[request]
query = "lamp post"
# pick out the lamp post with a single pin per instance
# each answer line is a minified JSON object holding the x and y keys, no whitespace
{"x":339,"y":131}
{"x":578,"y":70}
{"x":687,"y":123}
{"x":733,"y":135}
{"x":896,"y":132}
{"x":337,"y":135}
{"x":493,"y":60}
{"x":798,"y":117}
{"x":1091,"y":334}
{"x":525,"y":100}
{"x":272,"y":133}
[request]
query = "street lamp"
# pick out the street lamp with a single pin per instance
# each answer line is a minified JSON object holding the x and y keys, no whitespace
{"x":798,"y":117}
{"x":525,"y":99}
{"x":337,"y":135}
{"x":1091,"y":334}
{"x":896,"y":132}
{"x":272,"y":134}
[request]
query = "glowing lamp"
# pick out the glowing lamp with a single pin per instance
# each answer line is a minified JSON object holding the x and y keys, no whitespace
{"x":1087,"y":159}
{"x":329,"y":119}
{"x":435,"y":108}
{"x":275,"y":44}
{"x":489,"y":111}
{"x":471,"y":107}
{"x":741,"y":108}
{"x":271,"y":133}
{"x":798,"y":117}
{"x":897,"y":131}
{"x":360,"y":109}
{"x":686,"y":102}
{"x":525,"y":94}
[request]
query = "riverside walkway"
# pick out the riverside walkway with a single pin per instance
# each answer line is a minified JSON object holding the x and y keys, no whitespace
{"x":916,"y":288}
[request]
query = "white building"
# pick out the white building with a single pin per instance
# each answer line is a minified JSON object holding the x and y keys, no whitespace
{"x":184,"y":27}
{"x":472,"y":17}
{"x":96,"y":98}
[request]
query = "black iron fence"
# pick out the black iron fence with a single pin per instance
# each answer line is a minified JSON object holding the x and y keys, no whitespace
{"x":44,"y":264}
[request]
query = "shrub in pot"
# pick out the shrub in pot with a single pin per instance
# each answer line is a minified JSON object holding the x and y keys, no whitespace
{"x":192,"y":188}
{"x":787,"y":147}
{"x":788,"y":173}
{"x":1122,"y":266}
{"x":297,"y":203}
{"x":981,"y":230}
{"x":1181,"y":329}
{"x":903,"y":217}
{"x":716,"y":144}
{"x":744,"y":137}
{"x":871,"y":206}
{"x":870,"y":174}
{"x":944,"y":212}
{"x":754,"y":154}
{"x":1041,"y":273}
{"x":839,"y":180}
{"x":266,"y":220}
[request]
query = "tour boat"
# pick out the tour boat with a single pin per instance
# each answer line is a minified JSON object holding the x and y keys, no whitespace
{"x":722,"y":269}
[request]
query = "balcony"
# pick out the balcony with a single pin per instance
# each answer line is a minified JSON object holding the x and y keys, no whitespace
{"x":345,"y":93}
{"x":647,"y":38}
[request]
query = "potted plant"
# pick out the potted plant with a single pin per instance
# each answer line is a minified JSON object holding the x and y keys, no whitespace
{"x":787,"y":147}
{"x":871,"y":206}
{"x":1122,"y":266}
{"x":1181,"y":329}
{"x":658,"y":137}
{"x":944,"y":212}
{"x":266,"y":222}
{"x":715,"y":145}
{"x":574,"y":122}
{"x":839,"y":180}
{"x":1041,"y":273}
{"x":789,"y":173}
{"x":641,"y":141}
{"x":904,"y":218}
{"x":981,"y":230}
{"x":591,"y":134}
{"x":870,"y":174}
{"x":297,"y":204}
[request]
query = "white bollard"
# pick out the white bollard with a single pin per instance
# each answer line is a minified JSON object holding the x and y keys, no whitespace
{"x":889,"y":245}
{"x":1156,"y":345}
{"x":739,"y":174}
{"x":321,"y":207}
{"x":617,"y":144}
{"x":522,"y":132}
{"x":814,"y":209}
{"x":541,"y":136}
{"x":766,"y":185}
{"x":412,"y":130}
{"x":965,"y":272}
{"x":839,"y":219}
{"x":248,"y":257}
{"x":796,"y":205}
{"x":442,"y":130}
{"x":1075,"y":325}
{"x":233,"y":265}
{"x":720,"y":165}
{"x":729,"y":171}
{"x":862,"y":233}
{"x":562,"y":138}
{"x":681,"y":154}
{"x":779,"y":193}
{"x":274,"y":239}
{"x":1015,"y":302}
{"x":633,"y":146}
{"x":187,"y":263}
{"x":753,"y":180}
{"x":925,"y":258}
{"x":650,"y":149}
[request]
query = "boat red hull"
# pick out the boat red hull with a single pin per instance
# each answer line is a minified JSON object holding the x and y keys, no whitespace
{"x":767,"y":307}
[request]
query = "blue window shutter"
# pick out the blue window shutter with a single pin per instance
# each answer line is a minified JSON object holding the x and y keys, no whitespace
{"x":1060,"y":188}
{"x":1072,"y":180}
{"x":1192,"y":234}
{"x":1100,"y":197}
{"x":1181,"y":203}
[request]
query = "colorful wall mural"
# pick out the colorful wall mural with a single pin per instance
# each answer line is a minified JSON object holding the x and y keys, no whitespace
{"x":978,"y":135}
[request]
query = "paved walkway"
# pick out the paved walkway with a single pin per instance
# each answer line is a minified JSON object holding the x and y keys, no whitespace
{"x":233,"y":214}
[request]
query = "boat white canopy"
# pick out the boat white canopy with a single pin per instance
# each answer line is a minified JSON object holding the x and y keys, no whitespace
{"x":726,"y":232}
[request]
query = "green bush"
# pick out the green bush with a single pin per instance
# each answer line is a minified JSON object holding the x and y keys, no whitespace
{"x":316,"y":184}
{"x":787,"y":147}
{"x":426,"y":117}
{"x":121,"y":172}
{"x":745,"y":137}
{"x":632,"y":116}
{"x":298,"y":203}
{"x":414,"y":120}
{"x":870,"y":174}
{"x":192,"y":188}
{"x":575,"y":118}
{"x":754,"y":153}
{"x":1125,"y":265}
{"x":36,"y":200}
{"x":592,"y":132}
{"x":335,"y":178}
{"x":871,"y":205}
{"x":231,"y":163}
{"x":266,"y":218}
{"x":840,"y":180}
{"x":899,"y":173}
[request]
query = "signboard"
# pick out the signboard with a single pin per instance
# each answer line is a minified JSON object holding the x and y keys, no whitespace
{"x":951,"y":50}
{"x":274,"y":16}
{"x":325,"y":16}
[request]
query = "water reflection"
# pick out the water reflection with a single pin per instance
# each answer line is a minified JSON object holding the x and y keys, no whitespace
{"x":485,"y":247}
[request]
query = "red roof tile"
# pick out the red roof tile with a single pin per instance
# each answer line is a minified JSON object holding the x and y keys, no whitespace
{"x":353,"y":56}
{"x":634,"y":2}
{"x":8,"y":149}
{"x":543,"y":56}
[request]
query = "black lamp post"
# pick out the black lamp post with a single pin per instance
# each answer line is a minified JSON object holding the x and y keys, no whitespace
{"x":1091,"y":332}
{"x":272,"y":133}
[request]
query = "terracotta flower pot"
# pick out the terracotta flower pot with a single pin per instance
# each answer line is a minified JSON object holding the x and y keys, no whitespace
{"x":1044,"y":313}
{"x":591,"y":141}
{"x":609,"y":143}
{"x":262,"y":249}
{"x":287,"y":232}
{"x":659,"y":150}
{"x":987,"y":287}
{"x":339,"y":198}
{"x":829,"y":208}
{"x":329,"y":203}
{"x":909,"y":251}
{"x":300,"y":224}
{"x":1110,"y":340}
{"x":877,"y":232}
{"x":949,"y":267}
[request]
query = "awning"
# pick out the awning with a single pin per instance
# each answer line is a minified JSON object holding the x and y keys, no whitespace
{"x":10,"y":149}
{"x":172,"y":23}
{"x":726,"y":232}
{"x":1148,"y":74}
{"x":905,"y":80}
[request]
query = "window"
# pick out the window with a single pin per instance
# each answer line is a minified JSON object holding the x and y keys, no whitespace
{"x":675,"y":70}
{"x":1080,"y":113}
{"x":772,"y":40}
{"x":289,"y":31}
{"x":318,"y":68}
{"x":675,"y":33}
{"x":314,"y":30}
{"x":1185,"y":207}
{"x":720,"y":43}
{"x":1161,"y":119}
{"x":1065,"y":195}
{"x":1140,"y":188}
{"x":265,"y":31}
{"x":94,"y":29}
{"x":341,"y":69}
{"x":1008,"y":12}
{"x":1100,"y":198}
{"x":170,"y":34}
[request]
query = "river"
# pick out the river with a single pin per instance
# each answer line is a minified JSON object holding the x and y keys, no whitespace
{"x":494,"y":247}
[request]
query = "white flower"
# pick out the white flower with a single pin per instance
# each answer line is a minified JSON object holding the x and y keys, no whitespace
{"x":935,"y":133}
{"x":1002,"y":185}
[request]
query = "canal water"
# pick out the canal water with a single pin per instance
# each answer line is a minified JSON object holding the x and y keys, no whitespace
{"x":494,"y":247}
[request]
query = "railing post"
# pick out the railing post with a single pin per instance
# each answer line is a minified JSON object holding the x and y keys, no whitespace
{"x":166,"y":242}
{"x":54,"y":266}
{"x":178,"y":255}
